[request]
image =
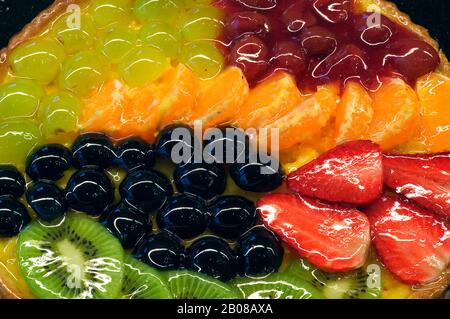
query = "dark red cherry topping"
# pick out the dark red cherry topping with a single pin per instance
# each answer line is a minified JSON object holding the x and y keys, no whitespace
{"x":318,"y":40}
{"x":257,"y":4}
{"x":289,"y":55}
{"x":333,"y":11}
{"x":297,"y":16}
{"x":246,"y":22}
{"x":321,"y":41}
{"x":250,"y":53}
{"x":413,"y":58}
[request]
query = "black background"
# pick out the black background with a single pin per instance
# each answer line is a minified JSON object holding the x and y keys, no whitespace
{"x":433,"y":14}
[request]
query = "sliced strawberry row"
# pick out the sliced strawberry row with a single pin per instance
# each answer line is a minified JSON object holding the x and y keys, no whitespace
{"x":425,"y":179}
{"x":350,"y":173}
{"x":331,"y":236}
{"x":412,"y":241}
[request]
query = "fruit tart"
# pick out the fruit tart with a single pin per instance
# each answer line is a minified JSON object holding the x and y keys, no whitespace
{"x":224,"y":149}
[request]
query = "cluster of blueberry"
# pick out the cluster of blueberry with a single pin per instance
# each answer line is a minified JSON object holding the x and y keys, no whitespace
{"x":196,"y":207}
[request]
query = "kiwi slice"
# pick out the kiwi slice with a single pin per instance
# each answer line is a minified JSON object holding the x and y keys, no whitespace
{"x":277,"y":286}
{"x":142,"y":282}
{"x":192,"y":285}
{"x":76,"y":258}
{"x":357,"y":284}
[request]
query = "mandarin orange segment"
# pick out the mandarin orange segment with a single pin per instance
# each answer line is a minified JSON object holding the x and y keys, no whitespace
{"x":434,"y":95}
{"x":354,"y":113}
{"x":396,"y":114}
{"x":111,"y":110}
{"x":179,"y":95}
{"x":221,"y":98}
{"x":270,"y":100}
{"x":122,"y":111}
{"x":306,"y":120}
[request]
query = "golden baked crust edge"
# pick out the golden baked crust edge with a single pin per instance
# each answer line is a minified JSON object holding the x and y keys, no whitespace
{"x":390,"y":9}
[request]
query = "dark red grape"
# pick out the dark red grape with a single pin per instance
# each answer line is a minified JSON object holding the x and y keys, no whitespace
{"x":333,"y":11}
{"x":372,"y":31}
{"x":296,"y":17}
{"x":250,"y":54}
{"x":258,"y":4}
{"x":413,"y":58}
{"x":246,"y":22}
{"x":289,"y":55}
{"x":318,"y":40}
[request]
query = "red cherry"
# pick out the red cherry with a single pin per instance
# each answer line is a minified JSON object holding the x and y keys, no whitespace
{"x":258,"y":4}
{"x":413,"y":58}
{"x":251,"y":55}
{"x":373,"y":29}
{"x":318,"y":40}
{"x":246,"y":22}
{"x":333,"y":11}
{"x":295,"y":17}
{"x":348,"y":61}
{"x":289,"y":55}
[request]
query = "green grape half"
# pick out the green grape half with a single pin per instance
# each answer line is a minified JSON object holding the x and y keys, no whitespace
{"x":17,"y":139}
{"x":160,"y":10}
{"x":162,"y":36}
{"x":106,"y":12}
{"x":19,"y":98}
{"x":117,"y":41}
{"x":143,"y":65}
{"x":203,"y":58}
{"x":83,"y":72}
{"x":38,"y":59}
{"x":202,"y":23}
{"x":73,"y":37}
{"x":60,"y":113}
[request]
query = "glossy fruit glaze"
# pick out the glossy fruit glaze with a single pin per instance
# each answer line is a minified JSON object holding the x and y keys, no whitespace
{"x":321,"y":41}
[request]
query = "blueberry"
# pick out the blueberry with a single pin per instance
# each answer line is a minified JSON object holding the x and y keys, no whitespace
{"x":225,"y":145}
{"x":90,"y":191}
{"x":213,"y":257}
{"x":259,"y":252}
{"x":13,"y":216}
{"x":49,"y":162}
{"x":163,"y":251}
{"x":126,"y":223}
{"x":93,"y":149}
{"x":255,"y":176}
{"x":11,"y":181}
{"x":231,"y":216}
{"x":47,"y":200}
{"x":185,"y":215}
{"x":146,"y":190}
{"x":176,"y":134}
{"x":202,"y":179}
{"x":135,"y":153}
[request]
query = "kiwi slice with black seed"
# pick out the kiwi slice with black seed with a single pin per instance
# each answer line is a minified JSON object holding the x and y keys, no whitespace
{"x":192,"y":285}
{"x":277,"y":286}
{"x":74,"y":259}
{"x":363,"y":283}
{"x":142,"y":282}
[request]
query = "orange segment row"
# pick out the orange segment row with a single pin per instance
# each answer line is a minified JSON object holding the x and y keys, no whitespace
{"x":434,"y":95}
{"x":394,"y":116}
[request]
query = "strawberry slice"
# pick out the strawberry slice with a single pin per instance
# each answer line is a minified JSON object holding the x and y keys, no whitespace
{"x":333,"y":237}
{"x":425,"y":179}
{"x":350,"y":173}
{"x":413,"y":243}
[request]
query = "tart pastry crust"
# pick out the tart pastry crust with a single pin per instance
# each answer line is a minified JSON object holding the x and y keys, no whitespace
{"x":35,"y":27}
